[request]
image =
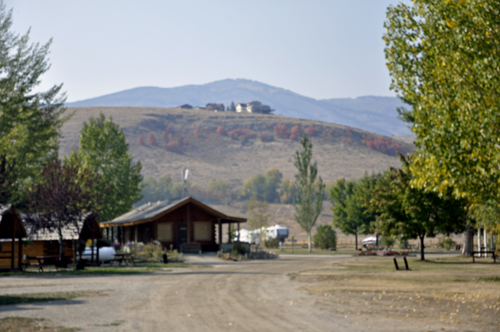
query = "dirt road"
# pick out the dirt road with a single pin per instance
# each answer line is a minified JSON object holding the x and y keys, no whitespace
{"x":248,"y":296}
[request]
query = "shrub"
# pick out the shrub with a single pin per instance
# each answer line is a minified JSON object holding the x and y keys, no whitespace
{"x":242,"y":134}
{"x":326,"y":237}
{"x":127,"y":141}
{"x":348,"y":133}
{"x":346,"y":140}
{"x":196,"y":133}
{"x":310,"y":131}
{"x":272,"y":243}
{"x":384,"y":145}
{"x":294,"y":137}
{"x":185,"y":141}
{"x":266,"y":137}
{"x":173,"y":146}
{"x":221,"y":130}
{"x":164,"y":137}
{"x":296,"y":132}
{"x":446,"y":242}
{"x":152,"y":139}
{"x":140,"y":140}
{"x":387,"y":241}
{"x":168,"y":130}
{"x":280,"y":131}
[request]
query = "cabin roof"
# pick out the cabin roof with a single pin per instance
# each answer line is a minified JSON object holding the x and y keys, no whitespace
{"x":150,"y":211}
{"x":80,"y":230}
{"x":10,"y":221}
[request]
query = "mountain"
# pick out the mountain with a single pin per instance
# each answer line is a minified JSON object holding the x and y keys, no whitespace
{"x":375,"y":114}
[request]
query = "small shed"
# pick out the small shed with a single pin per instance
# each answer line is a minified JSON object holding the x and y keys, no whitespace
{"x":172,"y":223}
{"x":46,"y":243}
{"x":11,"y":229}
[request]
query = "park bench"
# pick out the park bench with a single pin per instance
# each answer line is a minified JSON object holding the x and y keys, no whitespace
{"x":42,"y":261}
{"x":193,"y":248}
{"x":123,"y":258}
{"x":493,"y":255}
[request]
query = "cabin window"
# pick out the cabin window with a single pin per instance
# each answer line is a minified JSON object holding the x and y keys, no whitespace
{"x":165,"y":232}
{"x":203,"y":231}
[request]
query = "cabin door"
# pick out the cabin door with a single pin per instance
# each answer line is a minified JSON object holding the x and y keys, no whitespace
{"x":181,"y":235}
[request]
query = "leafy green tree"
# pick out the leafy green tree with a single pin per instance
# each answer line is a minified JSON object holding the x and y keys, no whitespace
{"x":257,"y":215}
{"x":287,"y":192}
{"x":264,"y":187}
{"x":443,"y":57}
{"x":326,"y":237}
{"x":218,"y":189}
{"x":414,"y":213}
{"x":29,"y":120}
{"x":103,"y":149}
{"x":273,"y":182}
{"x":348,"y":205}
{"x":154,"y":190}
{"x":310,"y":189}
{"x":255,"y":187}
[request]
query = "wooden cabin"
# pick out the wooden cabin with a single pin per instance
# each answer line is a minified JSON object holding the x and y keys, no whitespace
{"x":11,"y":229}
{"x":172,"y":223}
{"x":46,"y":243}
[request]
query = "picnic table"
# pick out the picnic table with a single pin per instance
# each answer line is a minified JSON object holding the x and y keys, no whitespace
{"x":484,"y":252}
{"x":46,"y":261}
{"x":123,"y":258}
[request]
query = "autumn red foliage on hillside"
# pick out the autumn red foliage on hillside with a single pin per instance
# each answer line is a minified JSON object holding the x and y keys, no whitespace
{"x":221,"y":130}
{"x":152,"y":139}
{"x":140,"y":140}
{"x":280,"y":131}
{"x":242,"y":134}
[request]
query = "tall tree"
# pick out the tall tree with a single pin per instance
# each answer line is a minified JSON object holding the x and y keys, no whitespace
{"x":29,"y":120}
{"x":444,"y":60}
{"x":258,"y":216}
{"x":103,"y":149}
{"x":350,"y":213}
{"x":61,"y":197}
{"x":414,"y":213}
{"x":310,"y":189}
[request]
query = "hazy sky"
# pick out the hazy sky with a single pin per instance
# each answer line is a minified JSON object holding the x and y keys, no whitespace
{"x":317,"y":48}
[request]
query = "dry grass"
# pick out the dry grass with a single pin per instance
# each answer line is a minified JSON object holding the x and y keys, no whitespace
{"x":452,"y":292}
{"x":212,"y":156}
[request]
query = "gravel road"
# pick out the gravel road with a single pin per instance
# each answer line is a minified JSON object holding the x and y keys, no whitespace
{"x":224,"y":296}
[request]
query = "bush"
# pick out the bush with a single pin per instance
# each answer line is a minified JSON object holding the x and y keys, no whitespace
{"x":174,"y":146}
{"x":272,"y":243}
{"x":242,"y":134}
{"x":140,"y":140}
{"x":197,"y":132}
{"x":387,"y":241}
{"x":221,"y":130}
{"x":446,"y":242}
{"x":310,"y":131}
{"x":266,"y":137}
{"x":280,"y":131}
{"x":326,"y":237}
{"x":152,"y":139}
{"x":295,"y":133}
{"x":164,"y":137}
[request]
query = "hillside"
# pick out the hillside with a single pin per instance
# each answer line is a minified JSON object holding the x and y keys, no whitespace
{"x":375,"y":114}
{"x":340,"y":151}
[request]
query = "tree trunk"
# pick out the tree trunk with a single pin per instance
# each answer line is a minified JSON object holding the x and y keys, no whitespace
{"x":356,"y":239}
{"x":468,"y":240}
{"x":422,"y":257}
{"x":309,"y":242}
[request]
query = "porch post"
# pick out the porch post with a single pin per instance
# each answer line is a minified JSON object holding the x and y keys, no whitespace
{"x":20,"y":253}
{"x":220,"y":233}
{"x":13,"y":250}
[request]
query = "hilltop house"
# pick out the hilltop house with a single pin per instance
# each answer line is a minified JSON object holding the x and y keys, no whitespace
{"x":254,"y":107}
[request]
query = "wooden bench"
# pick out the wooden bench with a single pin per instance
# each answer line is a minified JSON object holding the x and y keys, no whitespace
{"x":123,"y":258}
{"x":484,"y":252}
{"x":190,"y":248}
{"x":42,"y":261}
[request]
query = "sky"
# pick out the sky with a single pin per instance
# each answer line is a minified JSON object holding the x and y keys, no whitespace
{"x":317,"y":48}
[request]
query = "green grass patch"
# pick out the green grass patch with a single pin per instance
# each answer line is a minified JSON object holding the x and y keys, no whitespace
{"x":42,"y":297}
{"x":489,"y":279}
{"x":23,"y":324}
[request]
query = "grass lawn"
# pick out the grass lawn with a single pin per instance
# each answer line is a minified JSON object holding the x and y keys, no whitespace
{"x":23,"y":324}
{"x":43,"y":297}
{"x":451,"y":291}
